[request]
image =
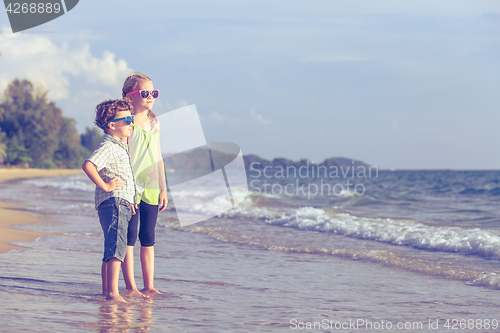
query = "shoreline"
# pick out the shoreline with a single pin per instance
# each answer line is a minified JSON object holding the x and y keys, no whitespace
{"x":12,"y":215}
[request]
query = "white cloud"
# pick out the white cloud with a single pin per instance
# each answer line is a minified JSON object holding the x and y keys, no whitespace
{"x":260,"y":118}
{"x":84,"y":103}
{"x":39,"y":59}
{"x":182,"y":103}
{"x":216,"y":116}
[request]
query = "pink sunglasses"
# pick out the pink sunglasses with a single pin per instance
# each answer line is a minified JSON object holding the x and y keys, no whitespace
{"x":145,"y":93}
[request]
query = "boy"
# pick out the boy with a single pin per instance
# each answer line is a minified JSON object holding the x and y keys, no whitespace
{"x":115,"y":194}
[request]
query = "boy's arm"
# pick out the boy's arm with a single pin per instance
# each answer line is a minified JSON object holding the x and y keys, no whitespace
{"x":90,"y":169}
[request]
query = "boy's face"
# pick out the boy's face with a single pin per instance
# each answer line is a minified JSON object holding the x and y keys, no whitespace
{"x":119,"y":129}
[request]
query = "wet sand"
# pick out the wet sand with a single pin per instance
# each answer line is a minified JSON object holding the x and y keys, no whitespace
{"x":11,"y":215}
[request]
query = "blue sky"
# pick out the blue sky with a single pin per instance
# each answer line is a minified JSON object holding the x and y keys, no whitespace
{"x":399,"y":84}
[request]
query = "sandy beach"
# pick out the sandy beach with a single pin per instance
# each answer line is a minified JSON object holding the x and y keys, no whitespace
{"x":13,"y":215}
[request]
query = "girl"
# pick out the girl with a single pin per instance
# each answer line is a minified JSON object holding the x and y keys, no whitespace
{"x":149,"y":172}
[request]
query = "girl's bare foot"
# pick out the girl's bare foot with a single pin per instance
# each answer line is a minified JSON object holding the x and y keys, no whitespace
{"x":136,"y":292}
{"x":151,"y":291}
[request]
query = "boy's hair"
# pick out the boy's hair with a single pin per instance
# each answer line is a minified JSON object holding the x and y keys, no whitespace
{"x":131,"y":83}
{"x":107,"y":110}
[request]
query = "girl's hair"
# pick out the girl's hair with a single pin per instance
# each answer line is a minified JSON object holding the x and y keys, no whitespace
{"x":107,"y":110}
{"x":131,"y":83}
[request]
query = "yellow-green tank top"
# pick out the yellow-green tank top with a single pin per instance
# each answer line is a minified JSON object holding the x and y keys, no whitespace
{"x":144,"y":156}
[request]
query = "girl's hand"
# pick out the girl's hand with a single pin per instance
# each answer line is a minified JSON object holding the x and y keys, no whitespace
{"x":163,"y":201}
{"x":113,"y":184}
{"x":134,"y":210}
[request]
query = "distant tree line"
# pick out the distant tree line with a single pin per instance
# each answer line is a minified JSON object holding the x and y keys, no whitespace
{"x":34,"y":132}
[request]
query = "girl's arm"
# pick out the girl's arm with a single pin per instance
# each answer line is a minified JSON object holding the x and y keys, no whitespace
{"x":163,"y":200}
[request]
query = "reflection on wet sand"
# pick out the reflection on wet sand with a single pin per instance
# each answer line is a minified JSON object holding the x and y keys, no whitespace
{"x":125,"y":317}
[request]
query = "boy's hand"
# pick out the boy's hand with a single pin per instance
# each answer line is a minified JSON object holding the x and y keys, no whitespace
{"x":134,"y":209}
{"x":163,"y":200}
{"x":114,"y":184}
{"x":91,"y":171}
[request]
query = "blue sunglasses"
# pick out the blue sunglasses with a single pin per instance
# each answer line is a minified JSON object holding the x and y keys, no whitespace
{"x":128,"y":120}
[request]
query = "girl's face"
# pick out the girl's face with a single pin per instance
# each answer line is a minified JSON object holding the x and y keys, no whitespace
{"x":143,"y":104}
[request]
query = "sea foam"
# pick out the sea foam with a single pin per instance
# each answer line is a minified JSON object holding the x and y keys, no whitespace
{"x":475,"y":241}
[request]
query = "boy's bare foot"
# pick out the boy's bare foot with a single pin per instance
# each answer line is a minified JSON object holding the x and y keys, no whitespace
{"x":151,"y":291}
{"x":116,"y":298}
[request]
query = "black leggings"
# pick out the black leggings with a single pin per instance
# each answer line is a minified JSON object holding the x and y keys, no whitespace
{"x":148,"y":214}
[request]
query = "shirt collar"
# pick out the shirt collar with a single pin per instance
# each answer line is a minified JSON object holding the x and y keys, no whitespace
{"x":108,"y":137}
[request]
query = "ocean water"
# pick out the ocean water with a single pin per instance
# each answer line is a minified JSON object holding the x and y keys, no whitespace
{"x":411,"y":251}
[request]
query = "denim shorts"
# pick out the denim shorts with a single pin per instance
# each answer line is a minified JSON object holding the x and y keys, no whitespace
{"x":114,"y":215}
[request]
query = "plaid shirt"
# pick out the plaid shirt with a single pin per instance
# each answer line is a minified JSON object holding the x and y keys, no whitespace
{"x":113,"y":160}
